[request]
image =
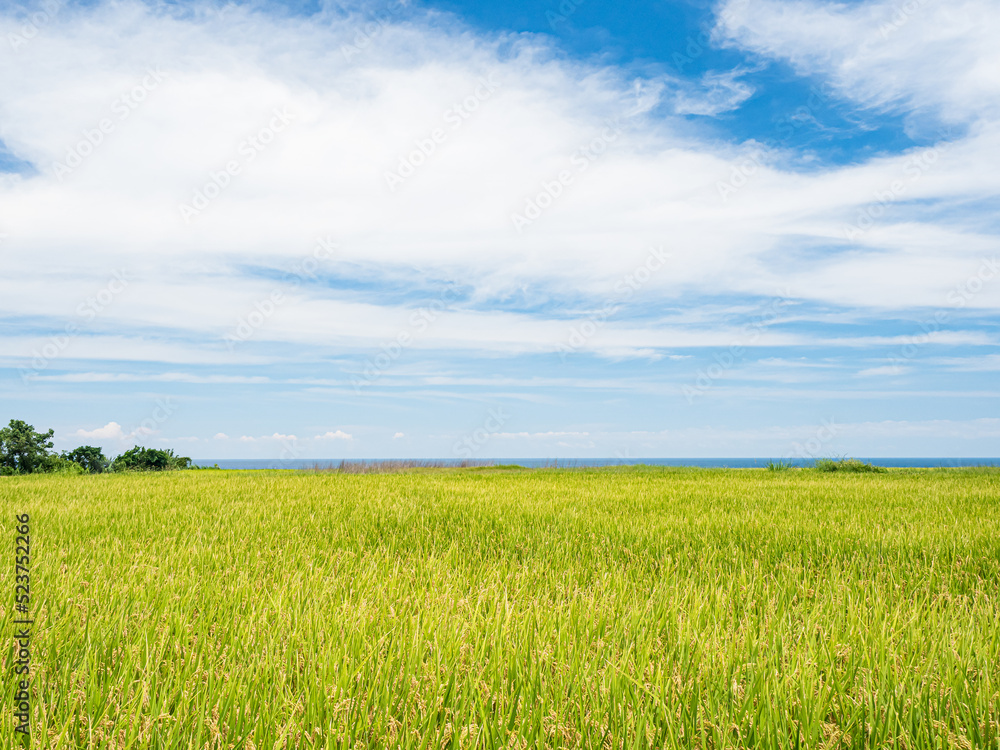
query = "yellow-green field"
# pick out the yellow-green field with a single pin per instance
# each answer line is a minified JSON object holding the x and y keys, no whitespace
{"x":611,"y":608}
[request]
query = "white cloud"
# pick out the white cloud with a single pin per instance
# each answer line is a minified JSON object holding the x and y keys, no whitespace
{"x":884,"y":370}
{"x":338,"y":435}
{"x":540,"y":435}
{"x":398,"y":435}
{"x":277,"y":436}
{"x":221,"y":436}
{"x":984,"y":363}
{"x":110,"y":431}
{"x":354,"y":120}
{"x":925,"y":56}
{"x":168,"y":377}
{"x":719,"y":92}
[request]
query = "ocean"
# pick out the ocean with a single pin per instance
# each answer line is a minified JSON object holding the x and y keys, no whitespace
{"x":731,"y":463}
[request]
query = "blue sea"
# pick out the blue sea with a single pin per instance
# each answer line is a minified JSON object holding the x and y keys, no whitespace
{"x":731,"y":463}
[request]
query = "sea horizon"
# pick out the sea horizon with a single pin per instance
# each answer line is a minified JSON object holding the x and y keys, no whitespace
{"x":917,"y":462}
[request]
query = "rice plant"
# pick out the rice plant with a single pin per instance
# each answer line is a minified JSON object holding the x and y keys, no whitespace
{"x":623,"y":607}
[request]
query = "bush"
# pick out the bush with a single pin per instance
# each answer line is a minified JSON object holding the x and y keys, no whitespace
{"x":851,"y":465}
{"x":149,"y":459}
{"x":25,"y":451}
{"x":59,"y":465}
{"x":778,"y":466}
{"x":90,"y":458}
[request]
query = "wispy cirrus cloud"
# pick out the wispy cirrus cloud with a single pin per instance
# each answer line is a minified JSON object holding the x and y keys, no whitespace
{"x":151,"y":106}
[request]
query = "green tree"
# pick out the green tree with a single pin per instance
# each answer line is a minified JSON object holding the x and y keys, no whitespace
{"x":22,"y":450}
{"x":149,"y":459}
{"x":89,"y":457}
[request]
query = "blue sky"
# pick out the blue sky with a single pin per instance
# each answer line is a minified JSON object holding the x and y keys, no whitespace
{"x":475,"y":230}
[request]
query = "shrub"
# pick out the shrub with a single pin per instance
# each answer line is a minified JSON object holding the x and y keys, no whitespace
{"x":54,"y":464}
{"x":25,"y":451}
{"x":149,"y":459}
{"x":90,"y":458}
{"x":778,"y":466}
{"x":850,"y":465}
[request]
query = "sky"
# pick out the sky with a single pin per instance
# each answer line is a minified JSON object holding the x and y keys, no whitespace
{"x":458,"y":229}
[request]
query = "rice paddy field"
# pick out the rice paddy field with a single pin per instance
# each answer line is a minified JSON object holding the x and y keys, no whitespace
{"x":486,"y":608}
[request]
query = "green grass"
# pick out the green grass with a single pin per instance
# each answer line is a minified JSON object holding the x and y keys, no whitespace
{"x":614,"y":608}
{"x":851,"y":465}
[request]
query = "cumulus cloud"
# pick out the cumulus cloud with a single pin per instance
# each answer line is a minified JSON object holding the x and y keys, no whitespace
{"x":110,"y":431}
{"x":276,"y":437}
{"x":338,"y":435}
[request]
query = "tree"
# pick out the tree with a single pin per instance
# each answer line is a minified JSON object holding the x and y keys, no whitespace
{"x":90,"y":458}
{"x":22,"y":450}
{"x":149,"y":459}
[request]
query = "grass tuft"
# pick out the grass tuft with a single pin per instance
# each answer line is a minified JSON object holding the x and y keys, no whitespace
{"x":849,"y":465}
